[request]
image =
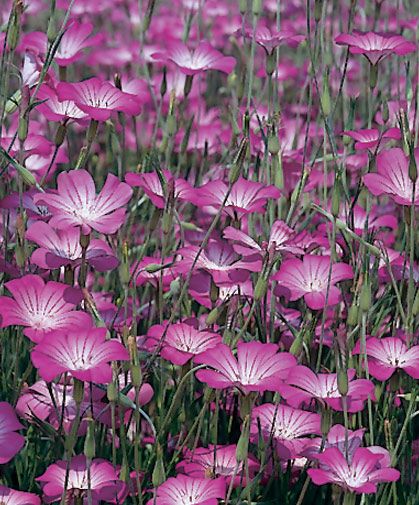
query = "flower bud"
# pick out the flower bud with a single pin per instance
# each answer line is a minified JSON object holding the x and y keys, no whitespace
{"x":136,"y":376}
{"x":343,"y":384}
{"x":260,"y":288}
{"x":352,"y":318}
{"x":89,"y":442}
{"x":112,"y":392}
{"x":365,"y":297}
{"x":257,"y":7}
{"x":159,"y":474}
{"x":273,"y":144}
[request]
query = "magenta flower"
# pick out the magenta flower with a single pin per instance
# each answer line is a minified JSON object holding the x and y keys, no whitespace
{"x":75,"y":39}
{"x":386,"y":355}
{"x":12,"y":497}
{"x":258,"y":367}
{"x":361,"y":475}
{"x":281,"y":239}
{"x":56,"y":110}
{"x":303,"y":385}
{"x":219,"y":260}
{"x":309,"y":278}
{"x":97,"y":98}
{"x":192,"y":62}
{"x":104,"y":481}
{"x":151,"y":185}
{"x":59,"y":248}
{"x":185,"y":490}
{"x":392,"y":177}
{"x":375,"y":46}
{"x":372,"y":138}
{"x":181,"y":342}
{"x":217,"y":461}
{"x":245,"y":197}
{"x":10,"y":441}
{"x":42,"y":308}
{"x":288,"y":427}
{"x":76,"y":204}
{"x":85,"y":353}
{"x":269,"y":39}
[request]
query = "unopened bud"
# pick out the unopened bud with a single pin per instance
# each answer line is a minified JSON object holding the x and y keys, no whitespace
{"x":60,"y":135}
{"x":112,"y":392}
{"x":365,"y":297}
{"x":89,"y":443}
{"x":343,"y":384}
{"x":212,"y":317}
{"x":257,"y":7}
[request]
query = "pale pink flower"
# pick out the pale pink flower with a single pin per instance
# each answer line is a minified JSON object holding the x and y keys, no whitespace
{"x":185,"y":490}
{"x":62,"y":247}
{"x":289,"y":427}
{"x":76,"y":203}
{"x":56,"y":110}
{"x":10,"y":496}
{"x":97,"y":98}
{"x":104,"y":482}
{"x":269,"y":39}
{"x":309,"y":278}
{"x":361,"y":475}
{"x":75,"y":39}
{"x":386,"y":355}
{"x":41,"y":307}
{"x":192,"y":62}
{"x":375,"y":46}
{"x":84,"y":353}
{"x":10,"y":441}
{"x":257,"y":367}
{"x":182,"y":341}
{"x":217,"y":461}
{"x":371,"y":138}
{"x":303,"y":385}
{"x":392,"y":177}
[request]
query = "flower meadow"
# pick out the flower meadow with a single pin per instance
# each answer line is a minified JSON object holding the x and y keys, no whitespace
{"x":209,"y":252}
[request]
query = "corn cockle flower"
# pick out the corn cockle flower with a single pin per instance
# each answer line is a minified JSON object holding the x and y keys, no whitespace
{"x":257,"y":367}
{"x":288,"y":427}
{"x":371,"y":138}
{"x":185,"y":490}
{"x":269,"y":39}
{"x":104,"y":482}
{"x":392,"y":177}
{"x":309,"y":278}
{"x":245,"y":196}
{"x":41,"y":307}
{"x":386,"y":355}
{"x":84,"y":353}
{"x":12,"y":497}
{"x":75,"y":39}
{"x":192,"y":62}
{"x":303,"y":385}
{"x":76,"y":204}
{"x":217,"y":461}
{"x":375,"y":46}
{"x":62,"y":247}
{"x":97,"y":98}
{"x":10,"y":441}
{"x":361,"y":475}
{"x":56,"y":110}
{"x":182,"y":341}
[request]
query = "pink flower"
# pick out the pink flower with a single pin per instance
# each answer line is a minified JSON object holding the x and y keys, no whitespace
{"x":287,"y":426}
{"x":76,"y":204}
{"x":372,"y":138}
{"x":42,"y":308}
{"x":386,"y":355}
{"x":97,"y":98}
{"x":280,"y":238}
{"x":192,"y":62}
{"x":303,"y":385}
{"x":309,"y":278}
{"x":217,"y":461}
{"x":105,"y":484}
{"x":85,"y":353}
{"x":75,"y":39}
{"x":12,"y":497}
{"x":269,"y":39}
{"x":361,"y":475}
{"x":375,"y":46}
{"x":62,"y":247}
{"x":185,"y":490}
{"x":219,"y":260}
{"x":245,"y":197}
{"x":258,"y":367}
{"x":392,"y":177}
{"x":151,"y":185}
{"x":181,"y":342}
{"x":56,"y":110}
{"x":10,"y":442}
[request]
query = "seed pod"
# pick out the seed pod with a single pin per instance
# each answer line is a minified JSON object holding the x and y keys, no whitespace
{"x":365,"y":297}
{"x":136,"y":376}
{"x":89,"y":442}
{"x":260,"y":289}
{"x":159,"y":474}
{"x":343,"y":384}
{"x":111,"y":392}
